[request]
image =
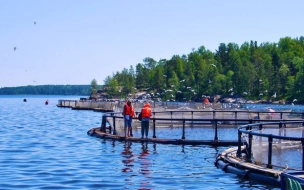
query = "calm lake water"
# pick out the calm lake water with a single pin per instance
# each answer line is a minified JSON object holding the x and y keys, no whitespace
{"x":46,"y":147}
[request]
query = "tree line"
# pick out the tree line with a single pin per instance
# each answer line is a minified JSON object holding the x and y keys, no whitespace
{"x":48,"y":90}
{"x":270,"y":71}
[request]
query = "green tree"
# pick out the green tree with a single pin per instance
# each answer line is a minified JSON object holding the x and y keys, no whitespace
{"x":250,"y":69}
{"x":111,"y":85}
{"x":94,"y":87}
{"x":142,"y":76}
{"x":158,"y":81}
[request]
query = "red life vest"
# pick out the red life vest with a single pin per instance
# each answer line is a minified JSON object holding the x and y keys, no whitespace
{"x":129,"y":110}
{"x":132,"y":113}
{"x":206,"y":101}
{"x":146,"y":111}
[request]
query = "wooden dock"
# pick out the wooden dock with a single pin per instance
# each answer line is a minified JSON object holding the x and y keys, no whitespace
{"x":98,"y":133}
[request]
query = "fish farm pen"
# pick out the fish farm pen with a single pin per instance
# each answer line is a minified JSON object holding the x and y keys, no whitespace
{"x":261,"y":145}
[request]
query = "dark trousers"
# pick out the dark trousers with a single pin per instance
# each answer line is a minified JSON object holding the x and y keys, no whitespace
{"x":144,"y":128}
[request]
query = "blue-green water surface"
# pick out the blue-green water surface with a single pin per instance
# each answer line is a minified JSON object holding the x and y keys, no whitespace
{"x":46,"y":147}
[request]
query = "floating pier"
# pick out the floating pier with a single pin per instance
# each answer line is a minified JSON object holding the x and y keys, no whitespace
{"x":229,"y":162}
{"x":270,"y":156}
{"x":97,"y":132}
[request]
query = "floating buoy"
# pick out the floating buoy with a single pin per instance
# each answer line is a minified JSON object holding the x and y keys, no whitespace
{"x":46,"y":102}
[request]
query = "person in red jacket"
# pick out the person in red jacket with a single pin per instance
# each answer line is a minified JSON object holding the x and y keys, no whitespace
{"x":128,"y":113}
{"x":206,"y":101}
{"x":146,"y":114}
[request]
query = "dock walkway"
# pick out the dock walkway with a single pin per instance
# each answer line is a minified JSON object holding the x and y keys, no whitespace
{"x":100,"y":134}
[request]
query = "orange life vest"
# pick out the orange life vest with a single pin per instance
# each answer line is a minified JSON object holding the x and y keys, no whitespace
{"x":206,"y":101}
{"x":129,"y":110}
{"x":132,"y":113}
{"x":146,"y":111}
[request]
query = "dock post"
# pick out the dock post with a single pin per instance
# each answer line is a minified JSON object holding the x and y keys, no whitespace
{"x":183,"y":136}
{"x":215,"y":132}
{"x":192,"y":117}
{"x":269,"y":164}
{"x":154,"y":135}
{"x":235,"y":117}
{"x":103,"y":124}
{"x":249,"y":148}
{"x":114,"y":126}
{"x":260,"y":126}
{"x":131,"y":131}
{"x":239,"y":151}
{"x":249,"y":126}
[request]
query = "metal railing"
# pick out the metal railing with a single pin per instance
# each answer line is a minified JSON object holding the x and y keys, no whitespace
{"x":249,"y":130}
{"x":214,"y":119}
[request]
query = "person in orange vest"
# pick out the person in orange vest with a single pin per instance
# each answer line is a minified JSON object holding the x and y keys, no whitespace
{"x":128,"y":113}
{"x":146,"y":113}
{"x":206,"y":101}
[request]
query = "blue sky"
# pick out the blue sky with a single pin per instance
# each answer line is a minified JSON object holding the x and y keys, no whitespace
{"x":75,"y":41}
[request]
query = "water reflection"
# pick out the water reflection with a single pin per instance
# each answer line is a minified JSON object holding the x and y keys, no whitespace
{"x":183,"y":149}
{"x":128,"y":157}
{"x":145,"y":163}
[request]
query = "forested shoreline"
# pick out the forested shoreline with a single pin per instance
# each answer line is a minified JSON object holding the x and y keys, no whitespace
{"x":47,"y":90}
{"x":266,"y":71}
